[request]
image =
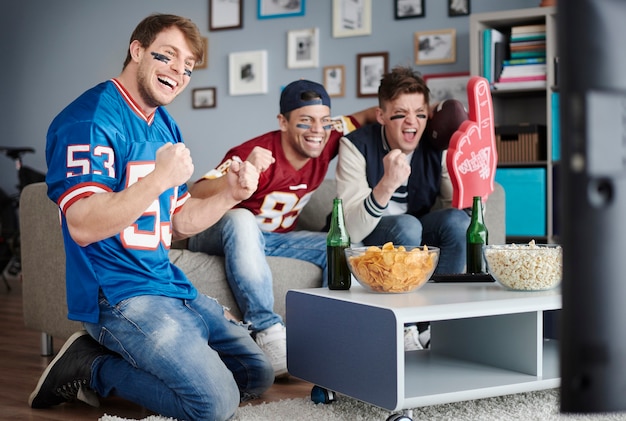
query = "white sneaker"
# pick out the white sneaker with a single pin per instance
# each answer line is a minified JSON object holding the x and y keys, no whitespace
{"x":424,"y":338}
{"x":411,"y":338}
{"x":273,"y":342}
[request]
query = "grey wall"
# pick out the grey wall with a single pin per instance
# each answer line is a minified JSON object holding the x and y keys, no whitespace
{"x":56,"y":49}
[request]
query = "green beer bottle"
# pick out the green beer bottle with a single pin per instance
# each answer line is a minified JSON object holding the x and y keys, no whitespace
{"x":336,"y":242}
{"x":477,"y":235}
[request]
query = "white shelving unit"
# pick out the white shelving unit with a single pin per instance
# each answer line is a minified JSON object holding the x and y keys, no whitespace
{"x":485,"y":341}
{"x":532,"y":106}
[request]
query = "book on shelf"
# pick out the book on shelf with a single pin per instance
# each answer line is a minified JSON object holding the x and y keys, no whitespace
{"x":556,"y":131}
{"x":523,"y":69}
{"x":500,"y":54}
{"x":523,"y":85}
{"x":491,"y":37}
{"x":527,"y":54}
{"x":540,"y":36}
{"x":528,"y":29}
{"x":522,"y":78}
{"x":528,"y":60}
{"x":528,"y":45}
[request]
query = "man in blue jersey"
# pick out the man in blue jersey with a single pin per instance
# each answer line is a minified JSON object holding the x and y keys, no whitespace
{"x":117,"y":169}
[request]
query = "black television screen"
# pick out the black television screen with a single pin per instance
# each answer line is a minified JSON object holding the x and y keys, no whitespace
{"x":592,"y":89}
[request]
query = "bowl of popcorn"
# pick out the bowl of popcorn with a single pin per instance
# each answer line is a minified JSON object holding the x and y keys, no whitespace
{"x":525,"y":267}
{"x":391,"y":269}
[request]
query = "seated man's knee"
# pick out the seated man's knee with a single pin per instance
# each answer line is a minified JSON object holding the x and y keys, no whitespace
{"x":454,"y":226}
{"x":457,"y":220}
{"x":240,"y":218}
{"x":401,"y":229}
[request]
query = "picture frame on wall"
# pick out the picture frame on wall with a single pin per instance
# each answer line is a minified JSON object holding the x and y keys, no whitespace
{"x":225,"y":14}
{"x":204,"y":97}
{"x":270,"y":9}
{"x":458,"y":8}
{"x":370,"y":69}
{"x":205,"y":61}
{"x":335,"y":80}
{"x":435,"y":47}
{"x":352,"y":18}
{"x":247,"y":72}
{"x":448,"y":86}
{"x":407,"y":9}
{"x":303,"y":48}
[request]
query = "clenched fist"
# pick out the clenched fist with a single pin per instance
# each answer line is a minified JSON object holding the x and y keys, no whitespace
{"x":397,"y":169}
{"x":173,"y":164}
{"x":261,"y":158}
{"x":243,"y":179}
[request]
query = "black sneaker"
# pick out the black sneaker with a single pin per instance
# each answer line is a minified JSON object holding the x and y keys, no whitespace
{"x":68,"y":376}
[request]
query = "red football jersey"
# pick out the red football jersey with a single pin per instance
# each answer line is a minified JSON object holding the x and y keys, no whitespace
{"x":283,"y":191}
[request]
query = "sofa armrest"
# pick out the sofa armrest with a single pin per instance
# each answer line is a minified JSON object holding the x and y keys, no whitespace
{"x":43,"y":264}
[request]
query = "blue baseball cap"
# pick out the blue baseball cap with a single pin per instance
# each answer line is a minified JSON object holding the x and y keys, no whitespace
{"x":291,"y":97}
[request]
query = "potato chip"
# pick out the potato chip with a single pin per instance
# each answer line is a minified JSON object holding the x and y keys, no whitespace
{"x":393,"y":269}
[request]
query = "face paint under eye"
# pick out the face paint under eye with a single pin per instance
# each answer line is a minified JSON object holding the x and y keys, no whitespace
{"x":303,"y":126}
{"x":327,"y":127}
{"x":397,"y":116}
{"x":187,"y":72}
{"x":160,"y":57}
{"x":421,"y":116}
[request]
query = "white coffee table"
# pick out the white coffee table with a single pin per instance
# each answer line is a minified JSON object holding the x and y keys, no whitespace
{"x":485,"y":341}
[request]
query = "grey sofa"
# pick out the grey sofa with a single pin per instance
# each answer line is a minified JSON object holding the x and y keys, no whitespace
{"x":43,"y":261}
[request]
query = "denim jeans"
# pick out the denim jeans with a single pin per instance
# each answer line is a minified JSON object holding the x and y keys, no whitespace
{"x":180,"y":358}
{"x":444,"y":228}
{"x":244,"y":246}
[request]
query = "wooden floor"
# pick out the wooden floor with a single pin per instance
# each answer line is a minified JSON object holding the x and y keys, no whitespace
{"x":21,"y":366}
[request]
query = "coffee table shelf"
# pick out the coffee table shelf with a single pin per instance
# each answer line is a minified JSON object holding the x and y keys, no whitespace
{"x":485,"y":341}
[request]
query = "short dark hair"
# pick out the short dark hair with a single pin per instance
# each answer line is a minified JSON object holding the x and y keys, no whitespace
{"x":148,"y":29}
{"x":401,"y":80}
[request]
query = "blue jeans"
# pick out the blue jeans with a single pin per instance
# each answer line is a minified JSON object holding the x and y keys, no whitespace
{"x":180,"y":358}
{"x":444,"y":228}
{"x":244,"y":246}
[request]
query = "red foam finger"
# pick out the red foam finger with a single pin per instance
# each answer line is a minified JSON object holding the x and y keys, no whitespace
{"x":472,"y":157}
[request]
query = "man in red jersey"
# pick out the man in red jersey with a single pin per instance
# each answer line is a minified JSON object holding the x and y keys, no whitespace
{"x":293,"y":162}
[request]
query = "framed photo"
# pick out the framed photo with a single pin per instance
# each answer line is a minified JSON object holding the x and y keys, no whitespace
{"x":303,"y":48}
{"x":370,"y":68}
{"x":204,"y":97}
{"x":352,"y":18}
{"x":269,"y":9}
{"x":205,"y":62}
{"x":225,"y":14}
{"x":434,"y":47}
{"x":448,"y":86}
{"x":458,"y":7}
{"x":335,"y":80}
{"x":406,"y":9}
{"x":247,"y":72}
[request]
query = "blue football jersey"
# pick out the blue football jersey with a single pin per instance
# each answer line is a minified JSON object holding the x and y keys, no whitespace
{"x":103,"y":142}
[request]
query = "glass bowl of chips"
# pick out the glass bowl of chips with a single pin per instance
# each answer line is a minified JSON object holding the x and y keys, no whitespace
{"x":525,"y":267}
{"x":390,"y":269}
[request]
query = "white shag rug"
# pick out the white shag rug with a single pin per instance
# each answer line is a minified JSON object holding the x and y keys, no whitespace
{"x":532,"y":406}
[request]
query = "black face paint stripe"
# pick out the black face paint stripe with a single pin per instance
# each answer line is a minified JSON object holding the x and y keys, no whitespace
{"x":399,"y":116}
{"x":160,"y":57}
{"x":166,"y":59}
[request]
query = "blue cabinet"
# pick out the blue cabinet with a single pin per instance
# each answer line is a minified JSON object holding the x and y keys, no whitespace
{"x":525,"y":190}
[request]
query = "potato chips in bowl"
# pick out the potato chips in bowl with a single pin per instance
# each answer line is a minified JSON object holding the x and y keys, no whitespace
{"x":390,"y":269}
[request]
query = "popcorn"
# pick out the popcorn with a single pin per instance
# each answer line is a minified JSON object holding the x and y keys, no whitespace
{"x":528,"y":267}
